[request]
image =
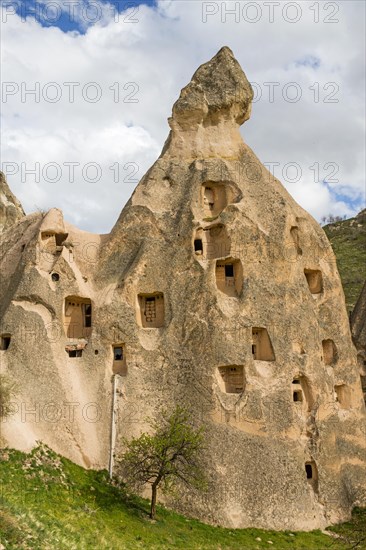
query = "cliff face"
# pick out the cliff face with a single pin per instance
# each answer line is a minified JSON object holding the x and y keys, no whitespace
{"x":11,"y":210}
{"x":358,"y":327}
{"x":214,"y":290}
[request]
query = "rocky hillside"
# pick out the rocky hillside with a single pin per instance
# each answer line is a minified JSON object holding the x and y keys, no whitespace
{"x":348,"y":239}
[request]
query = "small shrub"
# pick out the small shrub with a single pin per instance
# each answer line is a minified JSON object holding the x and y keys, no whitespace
{"x":7,"y":393}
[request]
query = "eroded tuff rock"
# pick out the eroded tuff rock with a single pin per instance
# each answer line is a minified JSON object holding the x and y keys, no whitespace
{"x":358,"y":327}
{"x":11,"y":210}
{"x":214,"y":290}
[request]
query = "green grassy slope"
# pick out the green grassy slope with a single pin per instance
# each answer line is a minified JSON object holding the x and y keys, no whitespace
{"x":47,"y":502}
{"x":348,"y":239}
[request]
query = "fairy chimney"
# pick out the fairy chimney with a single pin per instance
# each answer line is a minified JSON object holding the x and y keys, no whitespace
{"x":214,"y":290}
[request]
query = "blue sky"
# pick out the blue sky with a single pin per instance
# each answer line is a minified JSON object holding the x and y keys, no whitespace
{"x":60,"y":13}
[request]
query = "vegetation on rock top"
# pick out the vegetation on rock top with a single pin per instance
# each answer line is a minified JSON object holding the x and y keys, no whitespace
{"x":348,"y":239}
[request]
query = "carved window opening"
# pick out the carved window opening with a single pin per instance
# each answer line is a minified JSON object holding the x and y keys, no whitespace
{"x":212,"y":242}
{"x":314,"y":279}
{"x":5,"y":340}
{"x":209,"y":199}
{"x":232,"y":378}
{"x":262,"y":349}
{"x":343,"y":395}
{"x":214,"y":199}
{"x":151,"y":310}
{"x":75,"y":353}
{"x":117,"y":353}
{"x":198,"y":246}
{"x":229,"y":277}
{"x":297,"y":396}
{"x":119,"y":359}
{"x":301,"y":391}
{"x":60,"y":238}
{"x":311,"y":471}
{"x":87,"y":315}
{"x":78,"y":317}
{"x":229,"y":272}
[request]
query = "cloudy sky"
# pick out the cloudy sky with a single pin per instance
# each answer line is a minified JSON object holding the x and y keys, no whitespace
{"x":88,"y":85}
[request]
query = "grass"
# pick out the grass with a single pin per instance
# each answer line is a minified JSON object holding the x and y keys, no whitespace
{"x":47,"y":502}
{"x":348,"y":239}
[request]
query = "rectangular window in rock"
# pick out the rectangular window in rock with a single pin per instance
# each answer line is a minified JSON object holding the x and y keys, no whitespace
{"x":262,"y":349}
{"x":78,"y":317}
{"x":297,"y":396}
{"x":151,"y":307}
{"x":314,"y":279}
{"x":198,"y":246}
{"x":209,"y":198}
{"x":75,"y":349}
{"x":5,"y":340}
{"x":232,"y":379}
{"x":119,"y":359}
{"x":343,"y":395}
{"x":311,"y":472}
{"x":212,"y":242}
{"x":75,"y":353}
{"x":302,"y":392}
{"x":87,"y":315}
{"x":117,"y":353}
{"x":214,"y":198}
{"x":229,"y":277}
{"x":229,"y":271}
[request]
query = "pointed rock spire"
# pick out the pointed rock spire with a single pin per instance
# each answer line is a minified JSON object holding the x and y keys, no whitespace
{"x":218,"y":90}
{"x":206,"y":117}
{"x":10,"y":208}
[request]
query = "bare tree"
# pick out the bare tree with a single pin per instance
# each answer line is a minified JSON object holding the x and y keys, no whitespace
{"x":168,"y":457}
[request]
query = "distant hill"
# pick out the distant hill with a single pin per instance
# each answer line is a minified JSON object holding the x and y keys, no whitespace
{"x":348,"y":239}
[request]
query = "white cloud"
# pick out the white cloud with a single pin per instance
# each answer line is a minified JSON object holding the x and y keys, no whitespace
{"x":150,"y":61}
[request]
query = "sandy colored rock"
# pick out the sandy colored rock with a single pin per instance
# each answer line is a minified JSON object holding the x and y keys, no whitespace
{"x":215,"y":290}
{"x":10,"y":208}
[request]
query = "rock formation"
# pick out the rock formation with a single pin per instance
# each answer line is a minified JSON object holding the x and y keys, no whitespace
{"x":11,"y":210}
{"x":358,"y":328}
{"x":214,"y":289}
